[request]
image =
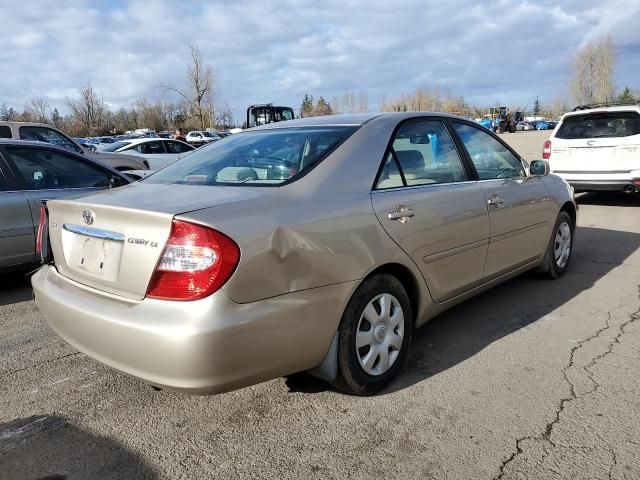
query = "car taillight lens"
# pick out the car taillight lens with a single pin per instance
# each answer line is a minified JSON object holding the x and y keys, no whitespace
{"x":196,"y":262}
{"x":546,"y":150}
{"x":41,"y":227}
{"x":636,"y":182}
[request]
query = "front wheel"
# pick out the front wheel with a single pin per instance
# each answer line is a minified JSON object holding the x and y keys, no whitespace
{"x":374,"y":336}
{"x":560,"y":247}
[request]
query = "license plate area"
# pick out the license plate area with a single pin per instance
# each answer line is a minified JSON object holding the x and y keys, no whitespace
{"x":93,"y":253}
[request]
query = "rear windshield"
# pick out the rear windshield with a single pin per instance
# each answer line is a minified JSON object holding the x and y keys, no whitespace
{"x":112,"y":147}
{"x":598,"y":125}
{"x":264,"y":158}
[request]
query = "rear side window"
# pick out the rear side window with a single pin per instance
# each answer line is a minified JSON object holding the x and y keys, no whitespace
{"x":263,"y":157}
{"x":425,"y":154}
{"x":599,"y":125}
{"x":43,"y":169}
{"x":5,"y":131}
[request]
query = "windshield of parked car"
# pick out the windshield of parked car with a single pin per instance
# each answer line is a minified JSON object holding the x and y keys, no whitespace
{"x":210,"y":134}
{"x":264,"y":158}
{"x":597,"y":125}
{"x":112,"y":147}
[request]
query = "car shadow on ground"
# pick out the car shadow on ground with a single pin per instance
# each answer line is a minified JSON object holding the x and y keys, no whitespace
{"x":609,"y":199}
{"x":52,"y":448}
{"x":15,"y":287}
{"x":470,"y":327}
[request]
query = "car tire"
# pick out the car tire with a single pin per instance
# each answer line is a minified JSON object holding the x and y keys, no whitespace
{"x":558,"y":256}
{"x":378,"y":319}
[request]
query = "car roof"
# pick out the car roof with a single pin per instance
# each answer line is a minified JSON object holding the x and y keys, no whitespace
{"x":136,"y":141}
{"x":619,"y":108}
{"x":350,"y":119}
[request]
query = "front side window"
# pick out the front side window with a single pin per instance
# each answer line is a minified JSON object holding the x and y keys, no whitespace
{"x":150,"y":148}
{"x":600,"y":125}
{"x":265,"y":158}
{"x":43,"y":169}
{"x":48,"y":135}
{"x":424,"y":154}
{"x":490,"y":157}
{"x":177,"y":147}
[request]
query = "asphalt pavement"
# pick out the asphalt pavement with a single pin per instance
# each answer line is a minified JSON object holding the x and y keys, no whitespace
{"x":535,"y":379}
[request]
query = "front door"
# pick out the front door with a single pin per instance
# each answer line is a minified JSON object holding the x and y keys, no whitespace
{"x":519,"y":206}
{"x":426,"y":202}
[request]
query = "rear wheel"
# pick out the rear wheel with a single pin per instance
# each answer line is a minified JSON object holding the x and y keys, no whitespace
{"x":560,"y":247}
{"x":374,"y":336}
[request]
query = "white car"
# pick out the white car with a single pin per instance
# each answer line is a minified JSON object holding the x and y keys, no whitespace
{"x":158,"y":152}
{"x":202,"y":137}
{"x":597,"y":148}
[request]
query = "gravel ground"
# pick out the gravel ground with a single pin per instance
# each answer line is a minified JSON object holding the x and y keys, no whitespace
{"x":534,"y":379}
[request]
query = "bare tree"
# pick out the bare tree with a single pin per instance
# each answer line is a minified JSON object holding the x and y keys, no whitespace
{"x":200,"y":90}
{"x":38,"y":108}
{"x":592,"y":80}
{"x":89,"y":113}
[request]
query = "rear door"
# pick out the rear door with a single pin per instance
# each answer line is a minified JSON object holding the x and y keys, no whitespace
{"x":520,"y":210}
{"x":154,"y":152}
{"x":596,"y":143}
{"x":427,"y":202}
{"x":17,"y":237}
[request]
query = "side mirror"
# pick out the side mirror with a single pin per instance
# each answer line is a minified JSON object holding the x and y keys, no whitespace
{"x":539,"y":168}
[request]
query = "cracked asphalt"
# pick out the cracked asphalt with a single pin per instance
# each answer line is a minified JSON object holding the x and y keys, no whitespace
{"x":535,"y":379}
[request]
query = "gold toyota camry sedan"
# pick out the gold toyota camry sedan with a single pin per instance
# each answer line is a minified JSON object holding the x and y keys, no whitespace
{"x":315,"y":245}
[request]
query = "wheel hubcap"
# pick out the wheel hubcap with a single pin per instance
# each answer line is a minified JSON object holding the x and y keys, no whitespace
{"x":379,"y":334}
{"x":562,"y":245}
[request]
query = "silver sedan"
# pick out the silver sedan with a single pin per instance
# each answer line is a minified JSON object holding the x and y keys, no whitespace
{"x":315,"y":245}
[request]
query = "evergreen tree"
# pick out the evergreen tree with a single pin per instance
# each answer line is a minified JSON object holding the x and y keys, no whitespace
{"x":626,"y":96}
{"x":536,"y":107}
{"x":322,"y":107}
{"x":56,"y":118}
{"x":306,"y":109}
{"x":4,"y":112}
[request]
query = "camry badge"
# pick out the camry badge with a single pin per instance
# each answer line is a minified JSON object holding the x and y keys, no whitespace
{"x":88,"y":216}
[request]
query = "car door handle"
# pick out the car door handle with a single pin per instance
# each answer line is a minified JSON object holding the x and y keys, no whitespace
{"x":495,"y":200}
{"x":401,"y":213}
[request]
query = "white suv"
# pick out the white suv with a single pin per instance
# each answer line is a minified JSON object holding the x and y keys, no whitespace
{"x":597,"y":148}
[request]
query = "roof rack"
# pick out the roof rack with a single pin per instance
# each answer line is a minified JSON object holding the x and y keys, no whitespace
{"x":605,"y":104}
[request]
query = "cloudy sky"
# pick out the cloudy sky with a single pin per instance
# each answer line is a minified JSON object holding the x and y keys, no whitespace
{"x":276,"y":51}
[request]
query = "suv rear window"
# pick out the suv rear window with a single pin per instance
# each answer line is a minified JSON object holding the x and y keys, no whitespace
{"x":5,"y":131}
{"x":263,"y":157}
{"x":598,"y":125}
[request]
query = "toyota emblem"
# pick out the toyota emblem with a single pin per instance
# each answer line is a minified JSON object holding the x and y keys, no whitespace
{"x":88,"y":216}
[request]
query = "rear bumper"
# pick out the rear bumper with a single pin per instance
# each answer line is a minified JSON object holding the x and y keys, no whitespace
{"x":603,"y":185}
{"x":207,"y":346}
{"x":583,"y":181}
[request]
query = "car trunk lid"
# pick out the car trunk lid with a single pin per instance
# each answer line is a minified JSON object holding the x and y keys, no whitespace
{"x":103,"y":242}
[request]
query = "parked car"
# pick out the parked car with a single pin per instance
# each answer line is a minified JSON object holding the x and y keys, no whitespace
{"x":31,"y":172}
{"x":41,"y":132}
{"x":541,"y":125}
{"x":84,"y":143}
{"x":316,"y":244}
{"x":200,"y":138}
{"x":522,"y":126}
{"x":597,"y":148}
{"x":157,"y":152}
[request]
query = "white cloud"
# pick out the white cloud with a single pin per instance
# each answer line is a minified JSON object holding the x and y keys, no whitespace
{"x":279,"y":50}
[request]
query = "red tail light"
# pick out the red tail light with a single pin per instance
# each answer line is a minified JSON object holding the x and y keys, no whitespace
{"x":195,"y":262}
{"x":41,"y":227}
{"x":636,"y":182}
{"x":546,"y":150}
